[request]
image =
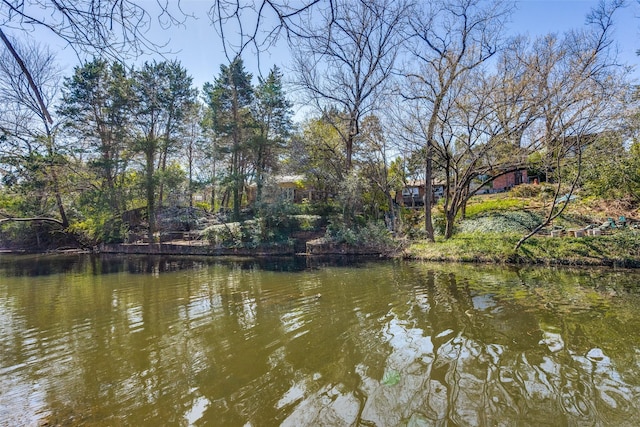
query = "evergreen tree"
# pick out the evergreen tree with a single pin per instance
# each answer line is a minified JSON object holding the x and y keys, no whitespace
{"x":272,"y":115}
{"x":229,"y":116}
{"x":163,"y":96}
{"x":96,"y":105}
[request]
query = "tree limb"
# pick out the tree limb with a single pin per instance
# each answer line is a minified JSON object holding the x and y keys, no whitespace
{"x":27,"y":74}
{"x":43,"y":219}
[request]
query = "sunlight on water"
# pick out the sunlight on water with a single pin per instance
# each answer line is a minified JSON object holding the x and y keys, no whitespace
{"x":197,"y":410}
{"x":176,"y":341}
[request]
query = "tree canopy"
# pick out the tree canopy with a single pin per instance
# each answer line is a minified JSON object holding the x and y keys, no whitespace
{"x":399,"y":92}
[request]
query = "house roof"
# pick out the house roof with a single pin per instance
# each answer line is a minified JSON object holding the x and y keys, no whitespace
{"x":420,"y":183}
{"x":284,"y":179}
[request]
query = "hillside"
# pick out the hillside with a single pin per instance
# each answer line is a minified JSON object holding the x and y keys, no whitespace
{"x":494,"y":223}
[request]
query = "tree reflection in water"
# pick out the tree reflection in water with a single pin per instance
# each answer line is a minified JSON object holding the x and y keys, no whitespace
{"x":150,"y":341}
{"x":484,"y":359}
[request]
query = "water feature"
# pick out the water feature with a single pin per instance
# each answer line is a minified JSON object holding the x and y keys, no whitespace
{"x":105,"y":341}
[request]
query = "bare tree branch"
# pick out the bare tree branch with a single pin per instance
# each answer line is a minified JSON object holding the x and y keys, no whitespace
{"x":32,"y":84}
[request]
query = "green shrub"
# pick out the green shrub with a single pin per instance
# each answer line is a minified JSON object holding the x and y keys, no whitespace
{"x":372,"y":234}
{"x":224,"y":235}
{"x":481,"y":206}
{"x":99,"y":228}
{"x":307,"y":222}
{"x":501,"y":222}
{"x":526,"y":190}
{"x":259,"y":231}
{"x":324,"y":209}
{"x":205,"y":206}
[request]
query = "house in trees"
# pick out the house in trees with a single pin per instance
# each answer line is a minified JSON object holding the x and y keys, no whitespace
{"x":509,"y":180}
{"x":412,"y":194}
{"x":500,"y":183}
{"x":293,"y":188}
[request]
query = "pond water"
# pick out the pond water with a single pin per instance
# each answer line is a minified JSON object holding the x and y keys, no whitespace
{"x":110,"y":341}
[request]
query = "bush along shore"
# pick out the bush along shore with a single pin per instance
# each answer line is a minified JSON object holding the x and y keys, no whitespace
{"x":588,"y":232}
{"x":620,"y":249}
{"x":489,"y":233}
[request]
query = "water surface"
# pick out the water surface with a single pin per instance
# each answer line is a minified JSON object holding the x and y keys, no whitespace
{"x":108,"y":341}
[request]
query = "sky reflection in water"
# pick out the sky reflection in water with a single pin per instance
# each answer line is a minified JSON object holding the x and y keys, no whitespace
{"x":183,"y":341}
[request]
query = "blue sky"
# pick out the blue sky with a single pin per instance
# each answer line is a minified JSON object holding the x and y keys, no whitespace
{"x":199,"y":49}
{"x":537,"y":17}
{"x":202,"y":56}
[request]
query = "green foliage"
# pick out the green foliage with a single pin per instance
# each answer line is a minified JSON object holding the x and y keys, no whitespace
{"x":614,"y":172}
{"x":164,"y":97}
{"x":173,"y":178}
{"x":326,"y":209}
{"x":413,"y":223}
{"x":391,"y":378}
{"x":96,"y":110}
{"x":501,"y":222}
{"x":229,"y":116}
{"x":317,"y":153}
{"x":621,"y":248}
{"x":526,"y":190}
{"x":265,"y":230}
{"x":12,"y":203}
{"x":99,"y":228}
{"x":371,"y":234}
{"x":308,"y":222}
{"x":230,"y":92}
{"x":439,"y":223}
{"x":205,"y":206}
{"x":350,"y":197}
{"x":481,"y":205}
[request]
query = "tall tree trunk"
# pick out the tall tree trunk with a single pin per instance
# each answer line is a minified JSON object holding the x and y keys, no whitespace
{"x":163,"y":168}
{"x":56,"y":192}
{"x":190,"y":160}
{"x":450,"y":221}
{"x":151,"y":209}
{"x":428,"y":194}
{"x":349,"y":154}
{"x":224,"y":202}
{"x":259,"y":175}
{"x":428,"y":170}
{"x":463,"y":205}
{"x":236,"y":186}
{"x":213,"y":181}
{"x":54,"y":177}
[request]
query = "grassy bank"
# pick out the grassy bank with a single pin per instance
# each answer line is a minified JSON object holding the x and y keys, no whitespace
{"x":621,"y":248}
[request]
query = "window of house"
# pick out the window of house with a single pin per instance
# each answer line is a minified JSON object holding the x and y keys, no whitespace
{"x":411,"y":191}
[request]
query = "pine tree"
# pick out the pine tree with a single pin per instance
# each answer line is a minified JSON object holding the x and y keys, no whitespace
{"x":96,"y":106}
{"x":272,"y":115}
{"x":163,"y":96}
{"x":228,"y":100}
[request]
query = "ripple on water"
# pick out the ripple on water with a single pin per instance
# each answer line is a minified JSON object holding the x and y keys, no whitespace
{"x":341,"y":346}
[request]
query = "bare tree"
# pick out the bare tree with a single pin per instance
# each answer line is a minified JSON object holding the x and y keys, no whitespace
{"x":344,"y":58}
{"x":471,"y":146}
{"x":28,"y":130}
{"x":450,"y":38}
{"x":108,"y":27}
{"x":259,"y":24}
{"x":481,"y":135}
{"x":114,"y":28}
{"x":579,"y":90}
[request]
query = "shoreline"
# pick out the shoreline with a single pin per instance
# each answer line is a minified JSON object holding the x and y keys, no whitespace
{"x":616,"y":250}
{"x":491,"y":249}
